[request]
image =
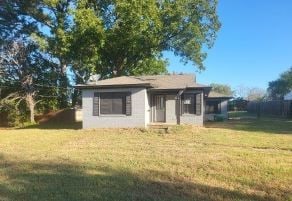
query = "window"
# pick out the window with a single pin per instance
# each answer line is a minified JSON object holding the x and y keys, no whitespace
{"x":113,"y":103}
{"x":213,"y":107}
{"x":160,"y":102}
{"x":188,"y":104}
{"x":191,"y":104}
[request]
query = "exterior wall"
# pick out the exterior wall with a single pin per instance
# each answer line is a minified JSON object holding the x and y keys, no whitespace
{"x":224,"y":108}
{"x":170,"y":109}
{"x":193,"y":118}
{"x":137,"y":119}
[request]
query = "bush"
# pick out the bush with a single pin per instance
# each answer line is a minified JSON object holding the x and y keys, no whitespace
{"x":14,"y":116}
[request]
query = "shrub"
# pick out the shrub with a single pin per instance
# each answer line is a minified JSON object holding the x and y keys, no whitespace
{"x":14,"y":116}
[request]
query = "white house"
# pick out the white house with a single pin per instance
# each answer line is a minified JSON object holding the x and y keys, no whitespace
{"x":138,"y":101}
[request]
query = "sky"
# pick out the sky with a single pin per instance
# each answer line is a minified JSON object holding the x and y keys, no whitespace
{"x":253,"y":46}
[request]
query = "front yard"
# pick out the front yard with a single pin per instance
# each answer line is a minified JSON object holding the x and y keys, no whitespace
{"x":237,"y":160}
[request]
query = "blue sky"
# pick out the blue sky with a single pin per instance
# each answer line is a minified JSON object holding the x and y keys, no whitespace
{"x":253,"y":46}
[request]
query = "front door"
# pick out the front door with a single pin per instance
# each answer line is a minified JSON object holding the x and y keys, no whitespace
{"x":159,"y":108}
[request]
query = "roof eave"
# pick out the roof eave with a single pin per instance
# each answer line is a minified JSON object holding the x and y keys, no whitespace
{"x":227,"y":98}
{"x":112,"y":86}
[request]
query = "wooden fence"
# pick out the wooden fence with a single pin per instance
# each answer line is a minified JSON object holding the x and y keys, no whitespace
{"x":274,"y":108}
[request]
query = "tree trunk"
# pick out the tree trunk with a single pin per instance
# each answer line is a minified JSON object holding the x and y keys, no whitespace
{"x":27,"y":84}
{"x":31,"y":104}
{"x":76,"y":93}
{"x":63,"y":102}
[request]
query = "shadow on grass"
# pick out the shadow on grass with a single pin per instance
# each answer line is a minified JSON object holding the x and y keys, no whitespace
{"x":55,"y":125}
{"x":267,"y":125}
{"x":42,"y":181}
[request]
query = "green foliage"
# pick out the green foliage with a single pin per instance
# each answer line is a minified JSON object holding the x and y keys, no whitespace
{"x":15,"y":111}
{"x":137,"y":31}
{"x":151,"y":66}
{"x":25,"y":78}
{"x":118,"y":36}
{"x":222,"y":89}
{"x":279,"y":88}
{"x":107,"y":37}
{"x":87,"y":37}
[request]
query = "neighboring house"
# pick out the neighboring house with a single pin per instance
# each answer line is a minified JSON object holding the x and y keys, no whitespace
{"x":288,"y":96}
{"x":138,"y":101}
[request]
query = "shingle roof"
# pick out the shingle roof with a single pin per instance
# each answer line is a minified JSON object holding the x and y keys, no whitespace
{"x":156,"y":82}
{"x":127,"y":80}
{"x":124,"y":81}
{"x":171,"y":81}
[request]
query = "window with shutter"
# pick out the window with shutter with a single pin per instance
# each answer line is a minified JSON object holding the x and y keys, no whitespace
{"x":115,"y":103}
{"x":191,"y":104}
{"x":188,"y":104}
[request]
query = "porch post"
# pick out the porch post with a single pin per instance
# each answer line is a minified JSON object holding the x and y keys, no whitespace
{"x":178,"y":110}
{"x":178,"y":106}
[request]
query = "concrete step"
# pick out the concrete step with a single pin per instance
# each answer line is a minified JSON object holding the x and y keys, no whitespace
{"x":161,"y":126}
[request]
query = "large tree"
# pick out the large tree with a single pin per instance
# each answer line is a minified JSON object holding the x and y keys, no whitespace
{"x":119,"y":37}
{"x":222,"y":89}
{"x":256,"y":94}
{"x":112,"y":37}
{"x":46,"y":22}
{"x":279,"y":88}
{"x":135,"y":33}
{"x":25,"y":71}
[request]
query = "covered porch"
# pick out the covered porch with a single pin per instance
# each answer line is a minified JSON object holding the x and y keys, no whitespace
{"x":174,"y":107}
{"x":216,"y":104}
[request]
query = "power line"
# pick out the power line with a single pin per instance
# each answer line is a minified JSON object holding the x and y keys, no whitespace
{"x":43,"y":86}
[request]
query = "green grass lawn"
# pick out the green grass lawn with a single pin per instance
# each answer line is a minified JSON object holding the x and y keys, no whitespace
{"x":235,"y":160}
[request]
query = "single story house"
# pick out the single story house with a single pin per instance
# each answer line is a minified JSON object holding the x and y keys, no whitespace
{"x":139,"y":101}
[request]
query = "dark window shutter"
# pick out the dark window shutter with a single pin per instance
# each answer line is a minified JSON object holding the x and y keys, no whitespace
{"x":96,"y":104}
{"x":128,"y":104}
{"x":198,"y":104}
